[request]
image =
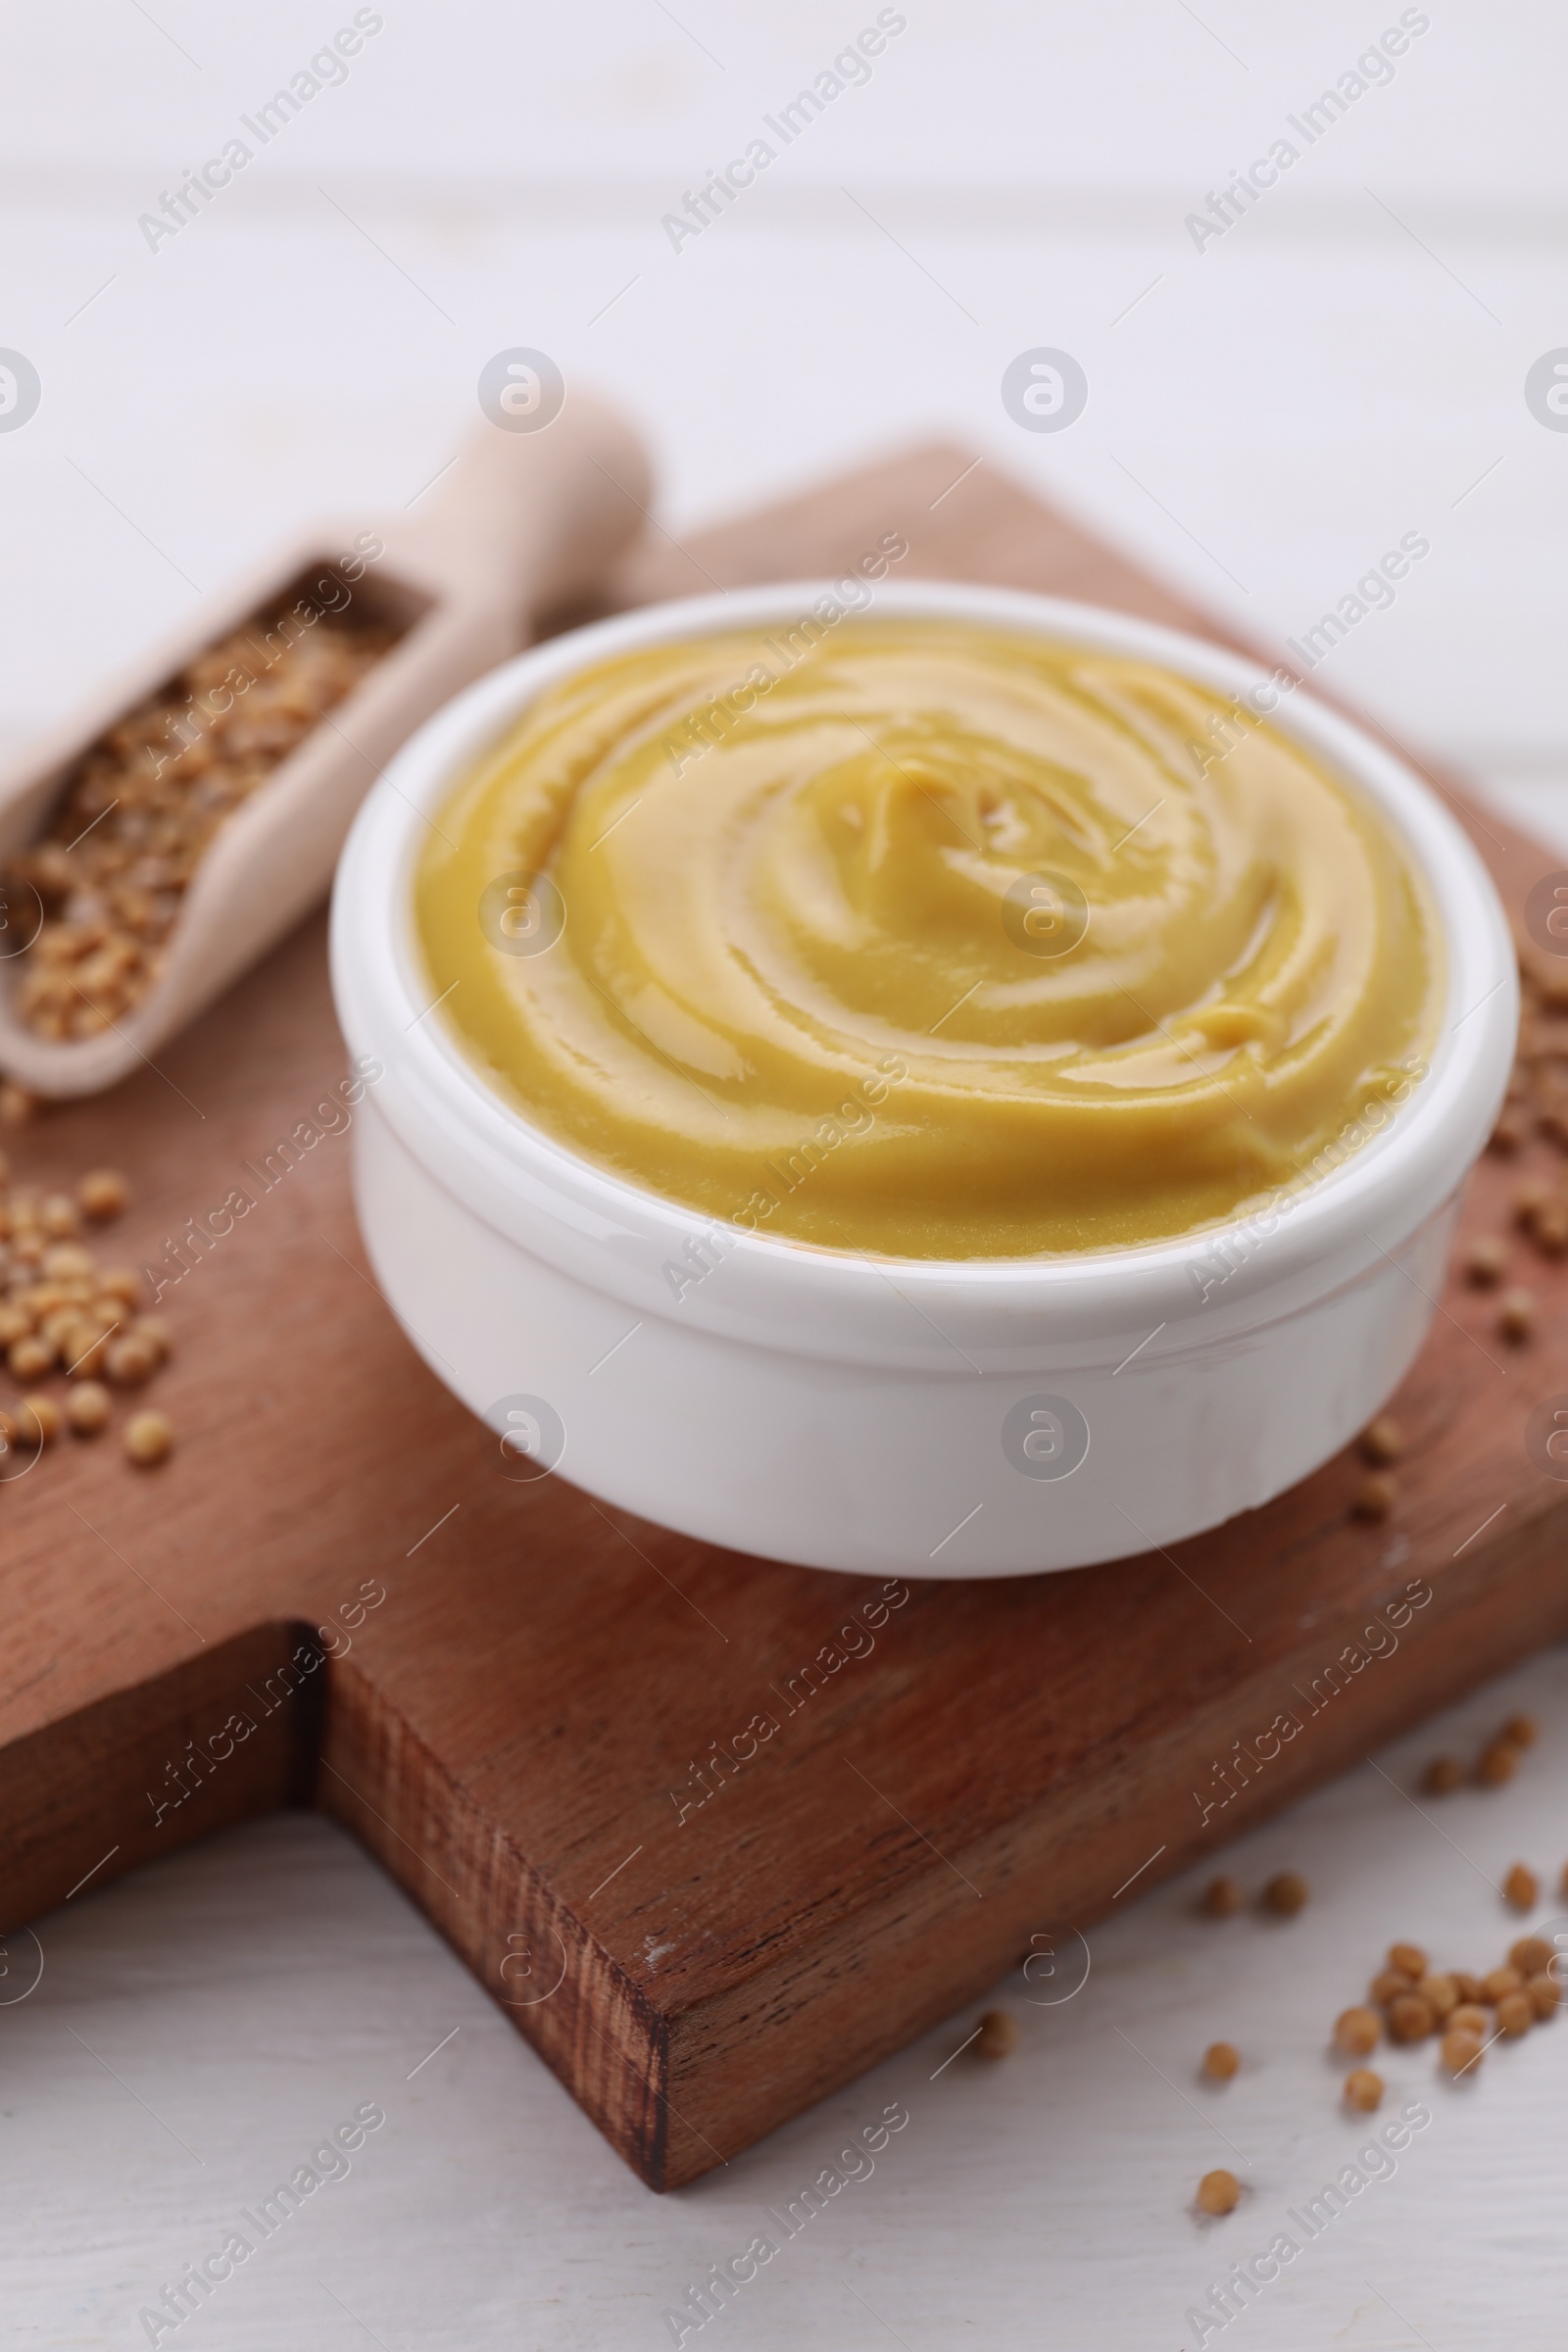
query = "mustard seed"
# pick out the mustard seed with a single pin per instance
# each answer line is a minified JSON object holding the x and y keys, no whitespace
{"x":1389,"y":1985}
{"x":1471,"y":1988}
{"x":1218,"y":2192}
{"x":1411,"y":2018}
{"x":1357,"y":2030}
{"x":1498,"y":1762}
{"x":1220,"y":2061}
{"x":1382,"y":1441}
{"x":1485,"y":1261}
{"x":1442,"y":1776}
{"x":1545,"y":1994}
{"x":30,"y":1358}
{"x":16,"y":1106}
{"x":1364,"y":2089}
{"x":1409,"y":1959}
{"x":59,"y":1217}
{"x":66,"y":1260}
{"x":37,"y":1421}
{"x":153,"y":1331}
{"x":1521,"y":1730}
{"x":1469,"y":2018}
{"x":1499,"y":1983}
{"x":999,"y":2032}
{"x":1375,"y":1497}
{"x":1550,"y":1229}
{"x":85,"y":1350}
{"x":1516,"y":2013}
{"x":1223,"y":1898}
{"x":1521,"y":1888}
{"x":131,"y":1362}
{"x":102,"y":1194}
{"x":1461,"y":2051}
{"x":1439,"y":1993}
{"x":87,"y":1408}
{"x":1286,"y":1893}
{"x":1516,"y":1315}
{"x":123,"y":1283}
{"x":150,"y":1438}
{"x":1529,"y":1197}
{"x":1531,"y":1954}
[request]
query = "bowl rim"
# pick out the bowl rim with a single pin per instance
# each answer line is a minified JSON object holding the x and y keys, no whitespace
{"x":1390,"y":1185}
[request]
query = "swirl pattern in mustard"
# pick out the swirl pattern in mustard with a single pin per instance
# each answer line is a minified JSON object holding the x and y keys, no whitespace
{"x":925,"y":940}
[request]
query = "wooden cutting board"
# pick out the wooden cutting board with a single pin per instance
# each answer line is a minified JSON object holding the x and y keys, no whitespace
{"x":546,"y":1719}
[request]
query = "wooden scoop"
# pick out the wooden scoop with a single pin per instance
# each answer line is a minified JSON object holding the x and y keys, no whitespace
{"x":521,"y":522}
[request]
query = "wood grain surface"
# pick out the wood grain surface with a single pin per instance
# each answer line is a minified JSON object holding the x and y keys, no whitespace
{"x":333,"y":1594}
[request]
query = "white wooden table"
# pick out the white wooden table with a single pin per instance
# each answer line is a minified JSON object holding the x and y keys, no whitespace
{"x":1344,"y":364}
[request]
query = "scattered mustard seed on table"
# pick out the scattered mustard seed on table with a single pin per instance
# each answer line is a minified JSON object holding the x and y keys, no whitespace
{"x":1218,"y":2192}
{"x":1516,"y":2013}
{"x":1357,"y":2030}
{"x":62,"y":1313}
{"x":1521,"y":1888}
{"x":1221,"y":2060}
{"x":1286,"y":1893}
{"x":102,"y":1194}
{"x":1439,"y":1993}
{"x":1223,"y":1898}
{"x":30,"y":1358}
{"x":1485,"y":1261}
{"x":1442,"y":1776}
{"x":1529,"y":1198}
{"x":1376,"y":1495}
{"x":1382,"y":1441}
{"x":1411,"y":2018}
{"x":1498,"y":1762}
{"x":1545,"y":1994}
{"x":1461,"y":2051}
{"x":1364,"y":2089}
{"x":1469,"y":2018}
{"x":1499,"y":1983}
{"x":87,"y":1408}
{"x":1548,"y":1228}
{"x":37,"y":1420}
{"x":1409,"y":1959}
{"x":1520,"y":1730}
{"x":1516,"y":1316}
{"x":131,"y":1362}
{"x":999,"y":2032}
{"x":150,"y":1438}
{"x":1531,"y":1955}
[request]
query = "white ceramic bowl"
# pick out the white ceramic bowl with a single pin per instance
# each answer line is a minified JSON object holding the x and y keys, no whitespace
{"x":945,"y":1419}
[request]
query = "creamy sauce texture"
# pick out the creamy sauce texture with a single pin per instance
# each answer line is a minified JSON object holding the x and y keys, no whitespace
{"x":925,"y":940}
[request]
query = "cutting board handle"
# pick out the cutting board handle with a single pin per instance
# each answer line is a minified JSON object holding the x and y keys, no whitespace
{"x":531,"y":519}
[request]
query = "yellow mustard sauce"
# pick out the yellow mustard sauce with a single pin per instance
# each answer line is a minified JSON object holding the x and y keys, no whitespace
{"x":927,"y":940}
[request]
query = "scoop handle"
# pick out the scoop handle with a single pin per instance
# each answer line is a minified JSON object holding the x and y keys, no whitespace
{"x":532,"y":519}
